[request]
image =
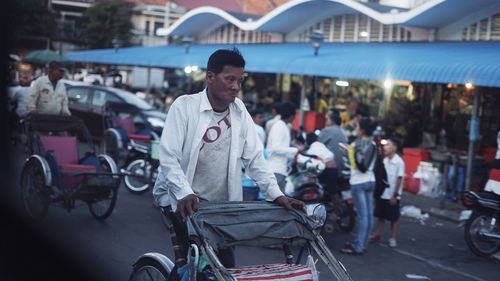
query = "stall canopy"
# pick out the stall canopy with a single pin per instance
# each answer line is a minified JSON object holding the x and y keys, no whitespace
{"x":447,"y":62}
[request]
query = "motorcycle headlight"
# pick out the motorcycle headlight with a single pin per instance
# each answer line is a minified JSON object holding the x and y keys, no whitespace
{"x":155,"y":122}
{"x":317,"y":212}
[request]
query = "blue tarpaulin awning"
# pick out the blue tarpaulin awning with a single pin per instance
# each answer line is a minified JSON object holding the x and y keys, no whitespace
{"x":447,"y":62}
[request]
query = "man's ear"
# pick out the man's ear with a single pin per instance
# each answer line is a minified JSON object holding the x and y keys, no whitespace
{"x":210,"y":76}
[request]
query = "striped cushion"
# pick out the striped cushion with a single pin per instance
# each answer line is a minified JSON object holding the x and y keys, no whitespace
{"x":268,"y":272}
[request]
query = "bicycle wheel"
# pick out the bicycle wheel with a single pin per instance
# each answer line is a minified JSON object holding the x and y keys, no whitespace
{"x":34,"y":192}
{"x":148,"y":269}
{"x":102,"y":207}
{"x":139,"y":181}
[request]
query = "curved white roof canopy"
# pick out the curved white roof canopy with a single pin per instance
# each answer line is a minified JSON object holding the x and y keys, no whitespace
{"x":295,"y":13}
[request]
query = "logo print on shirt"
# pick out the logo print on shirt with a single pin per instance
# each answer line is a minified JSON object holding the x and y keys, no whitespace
{"x":213,"y":133}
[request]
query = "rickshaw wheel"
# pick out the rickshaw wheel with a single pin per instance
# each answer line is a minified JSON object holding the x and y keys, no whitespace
{"x":102,"y":208}
{"x":110,"y":144}
{"x":34,"y":192}
{"x":148,"y":269}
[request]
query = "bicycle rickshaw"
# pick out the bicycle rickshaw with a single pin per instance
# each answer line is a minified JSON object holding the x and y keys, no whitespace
{"x":262,"y":224}
{"x":124,"y":129}
{"x":63,"y":167}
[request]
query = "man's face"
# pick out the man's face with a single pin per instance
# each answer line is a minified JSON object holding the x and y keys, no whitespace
{"x":56,"y":74}
{"x":258,"y":119}
{"x":389,"y":148}
{"x":224,"y":86}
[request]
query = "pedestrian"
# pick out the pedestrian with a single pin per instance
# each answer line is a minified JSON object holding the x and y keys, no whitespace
{"x":48,"y":94}
{"x":206,"y":138}
{"x":19,"y":95}
{"x":329,"y":175}
{"x":333,"y":136}
{"x":362,"y":155}
{"x":350,"y":127}
{"x":275,"y":116}
{"x":279,"y":146}
{"x":388,"y":204}
{"x":258,"y":119}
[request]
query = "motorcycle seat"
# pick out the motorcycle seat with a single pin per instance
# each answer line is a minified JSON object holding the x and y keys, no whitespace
{"x":489,"y":196}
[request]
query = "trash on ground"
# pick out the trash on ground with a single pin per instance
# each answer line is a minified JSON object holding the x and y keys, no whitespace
{"x":414,"y":212}
{"x":465,"y":215}
{"x":416,"y":276}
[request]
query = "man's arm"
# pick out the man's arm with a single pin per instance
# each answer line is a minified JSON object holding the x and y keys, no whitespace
{"x":277,"y":144}
{"x":171,"y":180}
{"x":64,"y":105}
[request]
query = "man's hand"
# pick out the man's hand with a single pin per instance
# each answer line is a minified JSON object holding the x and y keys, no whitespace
{"x":393,"y":201}
{"x":187,"y":206}
{"x":290,"y":203}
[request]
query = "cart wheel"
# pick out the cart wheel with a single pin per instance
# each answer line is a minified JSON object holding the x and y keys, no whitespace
{"x":34,"y":192}
{"x":149,"y":269}
{"x":111,"y":144}
{"x":102,"y":208}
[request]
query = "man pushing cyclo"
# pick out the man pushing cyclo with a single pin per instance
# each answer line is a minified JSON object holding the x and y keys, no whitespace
{"x":205,"y":139}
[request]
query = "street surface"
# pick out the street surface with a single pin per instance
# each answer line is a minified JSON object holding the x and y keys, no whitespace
{"x":434,"y":251}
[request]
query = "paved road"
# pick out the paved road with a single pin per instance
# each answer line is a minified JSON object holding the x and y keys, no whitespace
{"x":435,"y":250}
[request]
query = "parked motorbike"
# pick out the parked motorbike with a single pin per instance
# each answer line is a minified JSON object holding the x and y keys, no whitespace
{"x":303,"y":184}
{"x":482,"y":228}
{"x":141,"y":166}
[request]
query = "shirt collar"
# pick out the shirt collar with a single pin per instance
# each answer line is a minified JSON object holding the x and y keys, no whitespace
{"x":205,"y":103}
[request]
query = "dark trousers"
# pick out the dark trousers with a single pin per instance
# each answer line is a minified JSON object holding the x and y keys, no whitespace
{"x":181,"y":242}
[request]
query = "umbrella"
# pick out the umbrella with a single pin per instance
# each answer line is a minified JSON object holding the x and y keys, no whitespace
{"x":44,"y":56}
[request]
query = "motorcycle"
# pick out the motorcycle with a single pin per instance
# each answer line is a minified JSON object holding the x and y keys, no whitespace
{"x":141,"y":166}
{"x":303,"y":184}
{"x":482,"y":228}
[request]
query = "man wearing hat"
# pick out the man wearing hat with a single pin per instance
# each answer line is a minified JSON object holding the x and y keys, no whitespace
{"x":48,"y":94}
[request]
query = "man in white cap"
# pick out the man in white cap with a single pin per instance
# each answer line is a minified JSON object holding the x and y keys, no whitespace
{"x":48,"y":93}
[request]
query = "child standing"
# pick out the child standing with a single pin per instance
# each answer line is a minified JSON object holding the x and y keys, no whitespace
{"x":387,"y":206}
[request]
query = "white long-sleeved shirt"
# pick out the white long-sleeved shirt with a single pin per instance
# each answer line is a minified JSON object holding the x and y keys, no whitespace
{"x":44,"y":99}
{"x":187,"y":120}
{"x":278,"y":147}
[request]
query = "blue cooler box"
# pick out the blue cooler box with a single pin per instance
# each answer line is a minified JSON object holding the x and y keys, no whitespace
{"x":250,"y":190}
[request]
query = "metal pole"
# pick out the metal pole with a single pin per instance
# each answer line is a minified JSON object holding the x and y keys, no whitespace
{"x":302,"y":99}
{"x":473,"y":136}
{"x":148,"y":84}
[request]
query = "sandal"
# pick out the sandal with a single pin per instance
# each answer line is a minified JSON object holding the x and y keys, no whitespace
{"x":348,"y":249}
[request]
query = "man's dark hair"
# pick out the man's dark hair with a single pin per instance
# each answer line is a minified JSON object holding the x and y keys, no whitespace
{"x":276,"y":106}
{"x":395,"y":141}
{"x":311,"y":138}
{"x":286,"y":110}
{"x":223,"y":57}
{"x":334,"y":116}
{"x":255,"y":112}
{"x":367,"y":125}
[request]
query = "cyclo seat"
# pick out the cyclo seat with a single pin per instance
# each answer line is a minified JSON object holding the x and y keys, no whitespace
{"x":66,"y":153}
